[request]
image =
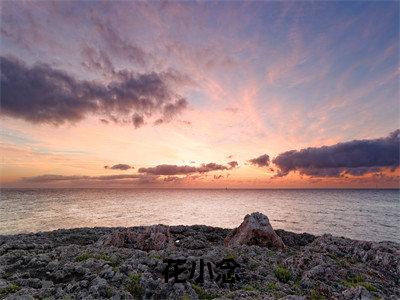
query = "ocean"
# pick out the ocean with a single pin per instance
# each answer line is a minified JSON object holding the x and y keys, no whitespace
{"x":359,"y":214}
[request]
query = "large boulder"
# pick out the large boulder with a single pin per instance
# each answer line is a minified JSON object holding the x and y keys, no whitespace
{"x":255,"y":230}
{"x":154,"y":237}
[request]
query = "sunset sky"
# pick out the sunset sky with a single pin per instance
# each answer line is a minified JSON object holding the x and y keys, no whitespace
{"x":200,"y":94}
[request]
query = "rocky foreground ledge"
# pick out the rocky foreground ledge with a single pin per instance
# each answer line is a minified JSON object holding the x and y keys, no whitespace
{"x":130,"y":263}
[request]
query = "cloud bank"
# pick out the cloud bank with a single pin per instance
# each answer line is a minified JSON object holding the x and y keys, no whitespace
{"x":42,"y":94}
{"x":356,"y":158}
{"x":183,"y":170}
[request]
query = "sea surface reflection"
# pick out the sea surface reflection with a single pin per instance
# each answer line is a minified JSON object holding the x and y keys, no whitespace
{"x":360,"y":214}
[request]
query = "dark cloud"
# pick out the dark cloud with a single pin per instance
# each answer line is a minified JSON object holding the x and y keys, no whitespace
{"x":204,"y":168}
{"x":158,"y":121}
{"x":355,"y":158}
{"x":172,"y":109}
{"x":233,"y":164}
{"x":137,"y":120}
{"x":122,"y":167}
{"x":181,"y":170}
{"x":41,"y":94}
{"x":261,"y":161}
{"x":168,"y":170}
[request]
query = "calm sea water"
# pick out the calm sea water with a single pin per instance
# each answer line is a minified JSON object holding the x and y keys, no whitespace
{"x":359,"y":214}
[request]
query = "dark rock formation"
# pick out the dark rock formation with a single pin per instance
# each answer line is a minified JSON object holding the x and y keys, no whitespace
{"x":357,"y":293}
{"x":114,"y":263}
{"x":154,"y":237}
{"x":294,"y":240}
{"x":255,"y":230}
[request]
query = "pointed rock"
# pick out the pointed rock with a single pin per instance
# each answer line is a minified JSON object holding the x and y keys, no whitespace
{"x":255,"y":230}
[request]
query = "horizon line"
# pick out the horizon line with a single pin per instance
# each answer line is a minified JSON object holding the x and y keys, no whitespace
{"x":183,"y":188}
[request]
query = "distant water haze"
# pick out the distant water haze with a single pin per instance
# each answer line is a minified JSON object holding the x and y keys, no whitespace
{"x":359,"y":214}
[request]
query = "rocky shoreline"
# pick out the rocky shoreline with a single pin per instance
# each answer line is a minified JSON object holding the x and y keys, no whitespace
{"x":130,"y":263}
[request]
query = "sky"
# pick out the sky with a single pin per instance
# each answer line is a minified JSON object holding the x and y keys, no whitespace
{"x":229,"y":94}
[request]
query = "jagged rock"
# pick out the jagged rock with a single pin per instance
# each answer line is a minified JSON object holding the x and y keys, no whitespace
{"x":255,"y":230}
{"x":154,"y":237}
{"x":294,"y":240}
{"x":357,"y":293}
{"x":98,"y":287}
{"x":78,"y":268}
